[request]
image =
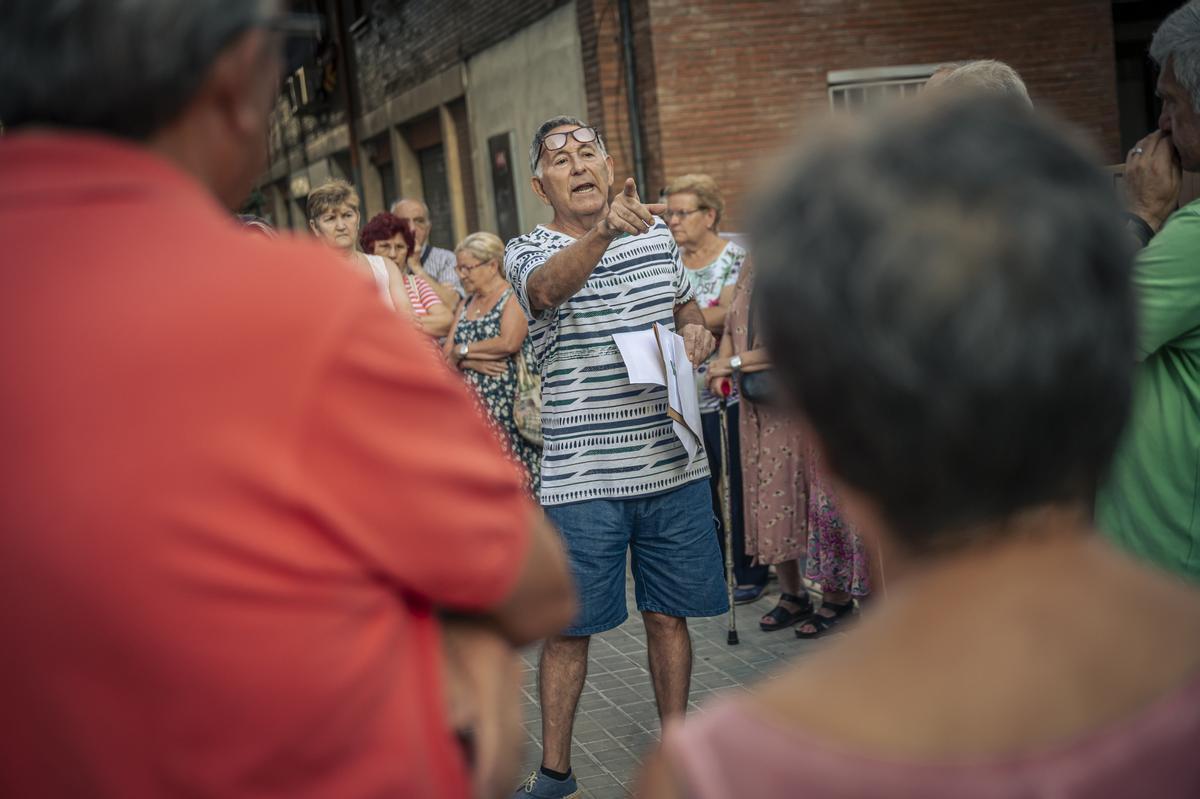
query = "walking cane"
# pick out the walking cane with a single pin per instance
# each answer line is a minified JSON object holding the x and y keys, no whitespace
{"x":726,"y":515}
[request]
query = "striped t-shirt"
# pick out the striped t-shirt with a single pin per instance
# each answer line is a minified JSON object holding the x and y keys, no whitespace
{"x":420,"y":294}
{"x":604,"y":438}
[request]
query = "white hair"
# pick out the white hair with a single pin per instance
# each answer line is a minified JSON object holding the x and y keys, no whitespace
{"x":991,"y":76}
{"x":1178,"y":40}
{"x":416,"y":200}
{"x":535,"y":148}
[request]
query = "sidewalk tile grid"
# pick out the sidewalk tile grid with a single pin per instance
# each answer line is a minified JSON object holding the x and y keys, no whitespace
{"x":617,"y":721}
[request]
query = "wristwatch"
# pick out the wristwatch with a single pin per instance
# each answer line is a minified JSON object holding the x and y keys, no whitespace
{"x":735,"y":363}
{"x":462,"y":350}
{"x":1140,"y":228}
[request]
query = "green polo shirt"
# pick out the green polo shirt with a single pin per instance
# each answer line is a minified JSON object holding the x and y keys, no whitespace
{"x":1150,"y":504}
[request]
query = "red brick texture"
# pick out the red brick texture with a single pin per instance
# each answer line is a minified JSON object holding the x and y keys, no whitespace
{"x":724,"y":83}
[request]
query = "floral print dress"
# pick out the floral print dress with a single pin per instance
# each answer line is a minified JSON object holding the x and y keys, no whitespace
{"x":837,"y":559}
{"x":774,"y":477}
{"x":498,"y":393}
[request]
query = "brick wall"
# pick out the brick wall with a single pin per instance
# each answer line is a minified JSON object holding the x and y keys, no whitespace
{"x":406,"y":43}
{"x":604,"y":77}
{"x":724,"y":83}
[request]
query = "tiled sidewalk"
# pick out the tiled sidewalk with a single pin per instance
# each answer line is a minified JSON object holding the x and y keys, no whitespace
{"x":617,"y":721}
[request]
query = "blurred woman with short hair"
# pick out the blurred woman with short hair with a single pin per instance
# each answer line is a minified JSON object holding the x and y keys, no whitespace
{"x":959,"y":337}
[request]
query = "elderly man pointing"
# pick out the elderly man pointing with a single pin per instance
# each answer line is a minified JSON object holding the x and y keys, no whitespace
{"x":615,"y":477}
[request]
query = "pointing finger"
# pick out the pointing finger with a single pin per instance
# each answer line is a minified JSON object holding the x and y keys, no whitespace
{"x":630,"y":188}
{"x":658,"y":209}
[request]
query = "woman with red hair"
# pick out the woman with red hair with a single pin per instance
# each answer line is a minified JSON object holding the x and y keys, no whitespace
{"x":391,"y":237}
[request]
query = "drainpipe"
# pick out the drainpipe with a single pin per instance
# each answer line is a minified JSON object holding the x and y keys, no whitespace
{"x":348,"y":72}
{"x":635,"y":112}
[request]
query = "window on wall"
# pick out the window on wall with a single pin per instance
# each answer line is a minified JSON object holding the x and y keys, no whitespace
{"x":855,"y":89}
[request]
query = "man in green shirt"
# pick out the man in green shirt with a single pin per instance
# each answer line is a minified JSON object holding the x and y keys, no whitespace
{"x":1150,"y":503}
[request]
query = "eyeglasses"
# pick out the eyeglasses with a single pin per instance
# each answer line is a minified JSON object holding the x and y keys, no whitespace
{"x":462,"y":269}
{"x":669,"y":215}
{"x":557,"y":141}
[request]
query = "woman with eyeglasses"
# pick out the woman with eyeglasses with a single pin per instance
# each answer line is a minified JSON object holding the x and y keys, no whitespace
{"x":333,"y":217}
{"x":694,"y":208}
{"x":389,"y":236}
{"x":486,"y":339}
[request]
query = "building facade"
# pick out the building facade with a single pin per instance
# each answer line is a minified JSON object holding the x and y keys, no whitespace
{"x":445,"y":94}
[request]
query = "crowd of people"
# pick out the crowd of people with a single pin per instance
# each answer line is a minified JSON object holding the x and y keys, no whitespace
{"x":279,"y":513}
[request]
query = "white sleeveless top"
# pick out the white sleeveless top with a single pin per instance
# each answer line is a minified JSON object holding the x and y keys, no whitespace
{"x":382,"y":279}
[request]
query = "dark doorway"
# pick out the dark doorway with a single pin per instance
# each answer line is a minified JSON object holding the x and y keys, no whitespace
{"x":437,"y":195}
{"x":504,"y":193}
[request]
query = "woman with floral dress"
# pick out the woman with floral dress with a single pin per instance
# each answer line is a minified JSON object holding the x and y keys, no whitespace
{"x":486,"y":339}
{"x":791,"y":512}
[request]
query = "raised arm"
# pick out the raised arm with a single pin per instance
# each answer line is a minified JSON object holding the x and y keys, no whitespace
{"x":565,"y":272}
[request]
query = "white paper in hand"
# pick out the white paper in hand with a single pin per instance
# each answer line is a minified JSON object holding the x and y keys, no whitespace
{"x":642,"y":356}
{"x":658,"y":357}
{"x":681,"y":391}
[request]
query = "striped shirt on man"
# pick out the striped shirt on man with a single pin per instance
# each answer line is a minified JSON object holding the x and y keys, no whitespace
{"x":604,"y":438}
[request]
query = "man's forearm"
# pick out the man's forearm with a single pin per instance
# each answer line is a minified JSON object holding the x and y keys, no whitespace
{"x":688,"y":314}
{"x":565,"y":272}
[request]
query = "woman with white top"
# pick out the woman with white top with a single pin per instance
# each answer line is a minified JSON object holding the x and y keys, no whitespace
{"x":712,"y":265}
{"x":333,"y":218}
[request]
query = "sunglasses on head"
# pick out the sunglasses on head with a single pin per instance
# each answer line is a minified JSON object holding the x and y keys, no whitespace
{"x":557,"y":141}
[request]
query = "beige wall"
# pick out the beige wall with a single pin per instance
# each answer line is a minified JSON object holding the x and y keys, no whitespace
{"x":514,"y":86}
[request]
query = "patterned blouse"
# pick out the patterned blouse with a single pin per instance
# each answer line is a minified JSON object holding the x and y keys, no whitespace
{"x":709,"y":281}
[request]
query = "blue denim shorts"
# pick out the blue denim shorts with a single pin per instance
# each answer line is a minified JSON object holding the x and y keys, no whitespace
{"x":676,"y":560}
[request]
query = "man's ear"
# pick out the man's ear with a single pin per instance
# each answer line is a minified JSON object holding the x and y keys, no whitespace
{"x":536,"y":183}
{"x":241,"y":82}
{"x":608,"y":164}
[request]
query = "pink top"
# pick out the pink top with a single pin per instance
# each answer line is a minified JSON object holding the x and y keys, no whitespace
{"x":420,"y":294}
{"x":726,"y":752}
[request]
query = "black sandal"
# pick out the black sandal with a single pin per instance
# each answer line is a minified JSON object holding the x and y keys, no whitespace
{"x":783,"y":617}
{"x":822,"y":624}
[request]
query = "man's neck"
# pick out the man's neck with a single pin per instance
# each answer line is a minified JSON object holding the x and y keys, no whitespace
{"x":577,"y":226}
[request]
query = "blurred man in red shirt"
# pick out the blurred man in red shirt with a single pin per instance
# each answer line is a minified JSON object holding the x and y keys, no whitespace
{"x":238,"y":494}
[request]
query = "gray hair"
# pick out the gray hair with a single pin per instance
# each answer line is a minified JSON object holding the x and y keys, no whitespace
{"x":973,"y":315}
{"x":483,"y":245}
{"x":990,"y":76}
{"x":1178,"y":40}
{"x":535,"y":148}
{"x":416,"y":200}
{"x":124,"y":67}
